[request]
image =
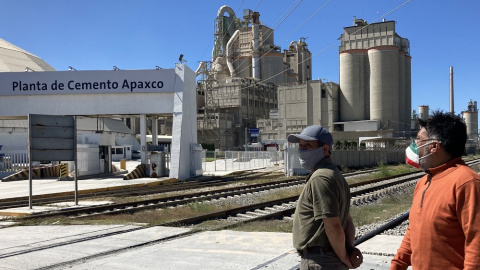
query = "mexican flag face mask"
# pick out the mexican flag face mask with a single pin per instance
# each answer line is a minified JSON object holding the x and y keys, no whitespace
{"x":411,"y":154}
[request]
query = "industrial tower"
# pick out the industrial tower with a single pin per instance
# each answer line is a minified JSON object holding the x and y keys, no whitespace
{"x":239,"y":85}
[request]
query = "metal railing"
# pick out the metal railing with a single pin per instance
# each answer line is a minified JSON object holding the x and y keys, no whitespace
{"x":239,"y":160}
{"x":13,"y":160}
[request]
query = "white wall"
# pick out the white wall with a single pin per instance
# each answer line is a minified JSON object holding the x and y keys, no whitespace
{"x":87,"y":159}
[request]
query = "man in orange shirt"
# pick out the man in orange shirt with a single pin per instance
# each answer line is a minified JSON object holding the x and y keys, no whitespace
{"x":444,"y":228}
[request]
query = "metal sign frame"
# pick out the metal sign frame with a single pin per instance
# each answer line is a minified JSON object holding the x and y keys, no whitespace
{"x":53,"y":138}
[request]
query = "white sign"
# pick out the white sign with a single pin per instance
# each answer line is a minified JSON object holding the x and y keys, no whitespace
{"x":86,"y":82}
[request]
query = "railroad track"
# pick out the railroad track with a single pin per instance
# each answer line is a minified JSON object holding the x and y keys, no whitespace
{"x":275,"y":209}
{"x":143,"y":190}
{"x":172,"y":187}
{"x":138,"y":191}
{"x":235,"y":217}
{"x":361,"y":195}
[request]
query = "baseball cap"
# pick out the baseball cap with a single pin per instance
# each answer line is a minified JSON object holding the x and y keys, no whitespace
{"x":313,"y":133}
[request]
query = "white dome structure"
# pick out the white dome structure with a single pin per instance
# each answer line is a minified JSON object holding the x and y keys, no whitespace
{"x":14,"y":59}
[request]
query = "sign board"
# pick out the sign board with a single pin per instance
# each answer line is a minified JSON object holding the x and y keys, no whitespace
{"x":157,"y":148}
{"x":254,"y":132}
{"x":52,"y":137}
{"x":86,"y":82}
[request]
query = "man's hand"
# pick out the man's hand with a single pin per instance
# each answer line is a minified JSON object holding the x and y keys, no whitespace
{"x":356,"y":257}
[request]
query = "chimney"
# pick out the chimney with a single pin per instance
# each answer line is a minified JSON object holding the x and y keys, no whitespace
{"x":452,"y":109}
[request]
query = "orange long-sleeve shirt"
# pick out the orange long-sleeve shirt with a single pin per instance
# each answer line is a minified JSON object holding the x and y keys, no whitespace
{"x":444,"y":228}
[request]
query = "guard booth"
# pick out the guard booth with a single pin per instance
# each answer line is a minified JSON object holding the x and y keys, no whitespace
{"x":104,"y":159}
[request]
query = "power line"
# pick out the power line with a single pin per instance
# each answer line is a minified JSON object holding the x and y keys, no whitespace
{"x":340,"y":40}
{"x":311,"y":16}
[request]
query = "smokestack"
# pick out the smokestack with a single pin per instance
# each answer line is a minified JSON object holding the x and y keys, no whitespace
{"x":256,"y":45}
{"x":452,"y":109}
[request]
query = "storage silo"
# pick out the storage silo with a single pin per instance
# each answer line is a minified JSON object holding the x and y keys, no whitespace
{"x":384,"y":92}
{"x":471,"y":121}
{"x":408,"y":89}
{"x":403,"y":112}
{"x":353,"y":97}
{"x":423,"y":112}
{"x":375,"y":75}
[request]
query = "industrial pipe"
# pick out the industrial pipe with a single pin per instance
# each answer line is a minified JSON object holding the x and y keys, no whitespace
{"x":256,"y":46}
{"x":229,"y":53}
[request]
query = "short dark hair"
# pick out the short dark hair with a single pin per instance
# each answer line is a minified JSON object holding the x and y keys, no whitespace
{"x":447,"y":128}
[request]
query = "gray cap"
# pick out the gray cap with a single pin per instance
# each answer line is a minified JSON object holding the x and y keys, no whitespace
{"x":313,"y":133}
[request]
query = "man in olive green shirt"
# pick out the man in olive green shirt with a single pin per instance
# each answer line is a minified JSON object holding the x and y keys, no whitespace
{"x":323,"y":231}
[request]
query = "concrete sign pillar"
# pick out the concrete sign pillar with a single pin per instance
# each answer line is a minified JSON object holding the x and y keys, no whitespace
{"x":184,"y":129}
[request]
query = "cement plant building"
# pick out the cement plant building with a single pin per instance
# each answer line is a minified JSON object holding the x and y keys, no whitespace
{"x":239,"y":85}
{"x":372,"y":101}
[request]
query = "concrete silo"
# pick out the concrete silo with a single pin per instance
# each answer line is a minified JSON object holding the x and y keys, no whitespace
{"x":407,"y":106}
{"x":375,"y":75}
{"x":423,"y":112}
{"x":384,"y":90}
{"x":354,"y":92}
{"x":404,"y":92}
{"x":470,"y":116}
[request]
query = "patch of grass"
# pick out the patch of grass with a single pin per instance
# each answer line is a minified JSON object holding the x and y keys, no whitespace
{"x":386,"y":208}
{"x":384,"y":171}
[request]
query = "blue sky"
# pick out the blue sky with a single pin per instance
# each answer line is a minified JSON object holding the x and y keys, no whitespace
{"x":142,"y":34}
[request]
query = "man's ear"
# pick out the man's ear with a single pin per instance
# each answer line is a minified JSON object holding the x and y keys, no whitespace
{"x":435,"y":147}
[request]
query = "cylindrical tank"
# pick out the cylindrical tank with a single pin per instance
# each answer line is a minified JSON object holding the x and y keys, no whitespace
{"x":352,"y":83}
{"x":423,"y":112}
{"x":408,"y":89}
{"x":471,"y":121}
{"x":403,"y":111}
{"x":384,"y":93}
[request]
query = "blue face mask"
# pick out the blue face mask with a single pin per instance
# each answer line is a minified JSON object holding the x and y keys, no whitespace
{"x":310,"y":158}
